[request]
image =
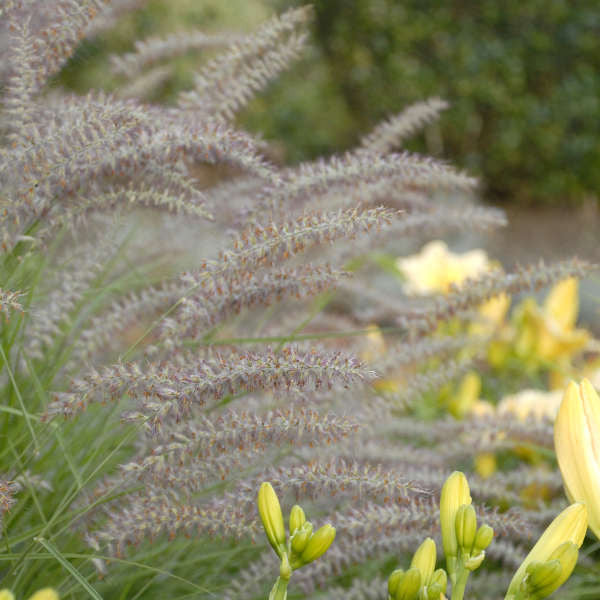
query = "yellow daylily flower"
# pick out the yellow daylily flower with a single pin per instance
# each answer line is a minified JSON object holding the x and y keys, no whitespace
{"x":485,"y":464}
{"x":467,"y":395}
{"x":435,"y":268}
{"x":568,"y":527}
{"x":577,"y":445}
{"x":491,"y":315}
{"x":538,"y":404}
{"x":547,"y":333}
{"x":482,"y":408}
{"x":45,"y":594}
{"x":562,"y":303}
{"x":374,"y":346}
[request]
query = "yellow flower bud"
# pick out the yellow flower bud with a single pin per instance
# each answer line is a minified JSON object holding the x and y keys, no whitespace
{"x":6,"y":595}
{"x":566,"y":554}
{"x":394,"y":581}
{"x":569,"y":526}
{"x":409,"y":586}
{"x":540,"y":576}
{"x":272,"y":519}
{"x":318,"y":544}
{"x":455,"y":493}
{"x":484,"y":537}
{"x":437,"y":585}
{"x":466,"y":527}
{"x":45,"y":594}
{"x":576,"y":440}
{"x":301,"y":537}
{"x":424,"y":559}
{"x":297,"y":519}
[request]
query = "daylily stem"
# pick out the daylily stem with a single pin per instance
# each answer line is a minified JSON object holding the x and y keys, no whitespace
{"x":458,"y":590}
{"x":279,"y":591}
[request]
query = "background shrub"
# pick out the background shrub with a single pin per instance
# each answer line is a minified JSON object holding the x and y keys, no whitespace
{"x":523,"y":79}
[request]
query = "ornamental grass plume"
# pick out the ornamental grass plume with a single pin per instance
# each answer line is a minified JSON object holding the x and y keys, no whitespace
{"x":185,"y":383}
{"x":577,"y":445}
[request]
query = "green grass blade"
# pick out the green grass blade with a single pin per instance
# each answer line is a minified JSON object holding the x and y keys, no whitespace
{"x":69,"y":567}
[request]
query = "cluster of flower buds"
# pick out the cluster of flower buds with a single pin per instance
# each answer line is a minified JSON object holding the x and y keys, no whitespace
{"x":303,"y":546}
{"x":548,"y":565}
{"x":421,"y":581}
{"x":464,"y":543}
{"x":552,"y":560}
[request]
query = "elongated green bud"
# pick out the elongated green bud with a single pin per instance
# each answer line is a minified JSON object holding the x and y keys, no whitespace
{"x":424,"y":558}
{"x":466,"y":527}
{"x":484,"y":537}
{"x":394,"y":581}
{"x":301,"y":537}
{"x":297,"y":519}
{"x":272,"y":519}
{"x":318,"y":544}
{"x":409,"y":586}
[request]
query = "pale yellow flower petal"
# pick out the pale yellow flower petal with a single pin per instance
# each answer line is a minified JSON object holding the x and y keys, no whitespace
{"x":491,"y":315}
{"x":562,"y":303}
{"x":435,"y":268}
{"x":577,"y":445}
{"x":45,"y":594}
{"x":482,"y":408}
{"x":538,"y":404}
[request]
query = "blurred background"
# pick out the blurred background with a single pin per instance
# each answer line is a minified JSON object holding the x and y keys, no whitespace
{"x":522,"y":78}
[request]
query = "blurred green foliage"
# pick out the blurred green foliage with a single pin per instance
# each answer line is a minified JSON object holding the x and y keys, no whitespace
{"x":522,"y":77}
